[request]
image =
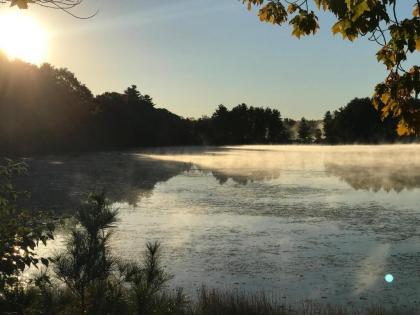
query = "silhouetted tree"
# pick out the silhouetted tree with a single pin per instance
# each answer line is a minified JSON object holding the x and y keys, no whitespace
{"x":101,"y":283}
{"x":47,"y":110}
{"x":328,"y":128}
{"x":87,"y":258}
{"x":359,"y":122}
{"x":132,"y":94}
{"x":304,"y":132}
{"x":242,"y":124}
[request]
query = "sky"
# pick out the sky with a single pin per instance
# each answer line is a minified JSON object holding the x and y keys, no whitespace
{"x":192,"y":55}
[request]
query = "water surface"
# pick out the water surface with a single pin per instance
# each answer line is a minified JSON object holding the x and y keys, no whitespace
{"x":300,"y":222}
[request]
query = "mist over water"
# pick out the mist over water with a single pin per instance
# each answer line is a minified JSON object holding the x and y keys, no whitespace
{"x":317,"y":222}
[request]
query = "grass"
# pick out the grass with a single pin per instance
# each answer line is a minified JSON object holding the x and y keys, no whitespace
{"x":119,"y":301}
{"x":217,"y":302}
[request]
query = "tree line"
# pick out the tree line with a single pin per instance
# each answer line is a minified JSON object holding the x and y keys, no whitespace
{"x":360,"y":122}
{"x":48,"y":110}
{"x":45,"y":110}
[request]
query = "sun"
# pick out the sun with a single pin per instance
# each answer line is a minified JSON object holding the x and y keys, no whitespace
{"x":22,"y":37}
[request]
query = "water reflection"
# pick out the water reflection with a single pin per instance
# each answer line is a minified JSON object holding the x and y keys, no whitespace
{"x":311,"y":222}
{"x":375,"y":168}
{"x":377,"y":177}
{"x":61,"y":182}
{"x":223,"y":176}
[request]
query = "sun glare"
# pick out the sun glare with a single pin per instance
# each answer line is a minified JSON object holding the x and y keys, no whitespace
{"x":22,"y":37}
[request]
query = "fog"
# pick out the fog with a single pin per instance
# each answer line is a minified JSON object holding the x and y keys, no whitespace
{"x":319,"y":222}
{"x":385,"y":167}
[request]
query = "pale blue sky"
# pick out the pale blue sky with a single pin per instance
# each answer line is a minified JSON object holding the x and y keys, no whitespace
{"x":191,"y":55}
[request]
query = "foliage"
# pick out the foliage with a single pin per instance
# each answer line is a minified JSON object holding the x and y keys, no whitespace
{"x":45,"y":109}
{"x":304,"y":132}
{"x":21,"y":230}
{"x":329,"y":127}
{"x":147,"y":280}
{"x":131,"y":119}
{"x":62,"y":5}
{"x":242,"y":125}
{"x":358,"y":122}
{"x":100,"y":283}
{"x":87,"y":258}
{"x":379,"y":21}
{"x":48,"y":110}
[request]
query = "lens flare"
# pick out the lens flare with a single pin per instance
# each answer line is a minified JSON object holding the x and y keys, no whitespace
{"x":389,"y":278}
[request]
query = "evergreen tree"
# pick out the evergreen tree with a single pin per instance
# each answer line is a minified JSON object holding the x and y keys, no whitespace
{"x":328,"y":127}
{"x":304,"y":131}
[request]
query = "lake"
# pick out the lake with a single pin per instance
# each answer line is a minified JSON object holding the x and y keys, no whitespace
{"x":298,"y":222}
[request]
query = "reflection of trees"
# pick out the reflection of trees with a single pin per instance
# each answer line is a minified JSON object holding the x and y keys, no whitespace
{"x":240,"y":164}
{"x":223,"y":176}
{"x":59,"y":183}
{"x":376,"y":177}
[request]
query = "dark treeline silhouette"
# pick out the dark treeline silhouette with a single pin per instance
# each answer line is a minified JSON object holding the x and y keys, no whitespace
{"x":41,"y":108}
{"x":44,"y":109}
{"x":48,"y":110}
{"x":131,"y":120}
{"x":309,"y":131}
{"x":359,"y":122}
{"x":242,"y":125}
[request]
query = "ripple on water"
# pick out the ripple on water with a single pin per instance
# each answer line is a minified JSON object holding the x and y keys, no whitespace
{"x":326,"y":223}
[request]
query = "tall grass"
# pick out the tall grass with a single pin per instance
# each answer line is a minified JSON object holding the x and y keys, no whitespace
{"x":219,"y":302}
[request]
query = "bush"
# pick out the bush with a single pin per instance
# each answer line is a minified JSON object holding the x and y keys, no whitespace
{"x":21,"y":230}
{"x":98,"y":282}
